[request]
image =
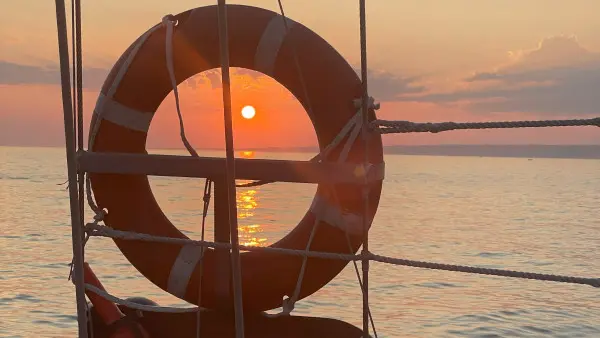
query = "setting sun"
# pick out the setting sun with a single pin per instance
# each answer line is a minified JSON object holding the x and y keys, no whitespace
{"x":248,"y":112}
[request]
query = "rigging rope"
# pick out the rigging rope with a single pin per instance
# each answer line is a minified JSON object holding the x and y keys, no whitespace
{"x":104,"y":231}
{"x":365,"y":187}
{"x":206,"y":200}
{"x":352,"y":128}
{"x":397,"y":127}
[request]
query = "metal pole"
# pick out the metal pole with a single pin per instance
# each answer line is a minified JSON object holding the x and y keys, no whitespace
{"x":230,"y":171}
{"x":365,"y":137}
{"x":79,"y":90}
{"x":76,"y":225}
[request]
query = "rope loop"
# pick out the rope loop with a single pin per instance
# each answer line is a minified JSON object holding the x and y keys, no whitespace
{"x":169,"y":18}
{"x":372,"y":104}
{"x":99,"y":216}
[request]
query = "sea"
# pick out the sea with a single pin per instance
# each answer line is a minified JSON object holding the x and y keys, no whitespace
{"x":528,"y":214}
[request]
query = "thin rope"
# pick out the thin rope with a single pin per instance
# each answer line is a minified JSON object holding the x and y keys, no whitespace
{"x":236,"y":270}
{"x":344,"y":155}
{"x":90,"y":319}
{"x":206,"y":200}
{"x":76,"y":231}
{"x":304,"y":92}
{"x":141,"y":307}
{"x":170,"y":23}
{"x":97,"y":230}
{"x":74,"y":65}
{"x":397,"y":127}
{"x":100,"y":213}
{"x":322,"y":155}
{"x":296,"y":61}
{"x":351,"y":129}
{"x":365,"y":187}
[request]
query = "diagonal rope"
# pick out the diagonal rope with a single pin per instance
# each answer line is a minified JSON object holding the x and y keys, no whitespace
{"x":302,"y":84}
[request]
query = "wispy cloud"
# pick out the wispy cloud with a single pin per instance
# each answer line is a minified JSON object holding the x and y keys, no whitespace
{"x":559,"y":77}
{"x":389,"y":87}
{"x":383,"y":86}
{"x":18,"y":74}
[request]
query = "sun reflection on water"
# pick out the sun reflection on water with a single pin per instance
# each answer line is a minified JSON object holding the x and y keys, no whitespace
{"x":250,"y":233}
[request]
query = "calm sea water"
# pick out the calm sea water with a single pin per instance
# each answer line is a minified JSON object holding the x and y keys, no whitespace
{"x":539,"y":215}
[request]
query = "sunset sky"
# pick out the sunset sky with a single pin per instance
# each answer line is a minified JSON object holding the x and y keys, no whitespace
{"x":460,"y":60}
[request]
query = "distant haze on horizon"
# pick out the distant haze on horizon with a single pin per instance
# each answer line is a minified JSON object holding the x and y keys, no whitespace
{"x":460,"y":60}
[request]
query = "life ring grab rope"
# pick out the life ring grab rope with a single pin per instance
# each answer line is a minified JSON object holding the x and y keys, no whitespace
{"x":100,"y":112}
{"x":158,"y":43}
{"x":351,"y":129}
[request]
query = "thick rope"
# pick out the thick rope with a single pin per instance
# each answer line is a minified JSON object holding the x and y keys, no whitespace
{"x":595,"y":282}
{"x":104,"y":231}
{"x":97,"y":230}
{"x":397,"y":127}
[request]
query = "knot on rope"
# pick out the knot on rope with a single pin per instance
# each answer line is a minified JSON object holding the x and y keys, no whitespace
{"x":287,"y":306}
{"x":371,"y":103}
{"x":169,"y":18}
{"x":99,"y":216}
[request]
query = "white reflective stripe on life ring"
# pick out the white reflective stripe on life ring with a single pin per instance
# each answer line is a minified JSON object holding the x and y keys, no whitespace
{"x":333,"y":215}
{"x":182,"y":270}
{"x":113,"y":111}
{"x":270,"y":42}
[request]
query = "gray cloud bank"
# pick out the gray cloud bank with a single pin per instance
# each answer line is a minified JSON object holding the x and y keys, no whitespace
{"x":384,"y":86}
{"x":560,"y":77}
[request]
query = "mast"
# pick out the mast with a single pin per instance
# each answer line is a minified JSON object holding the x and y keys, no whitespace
{"x":76,"y":223}
{"x":230,"y":171}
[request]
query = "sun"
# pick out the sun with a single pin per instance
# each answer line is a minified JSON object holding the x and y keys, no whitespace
{"x":248,"y":112}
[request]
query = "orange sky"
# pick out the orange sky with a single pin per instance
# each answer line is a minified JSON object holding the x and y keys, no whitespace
{"x":461,"y":60}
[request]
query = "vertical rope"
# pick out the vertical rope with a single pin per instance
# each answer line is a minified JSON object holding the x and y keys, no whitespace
{"x":74,"y":63}
{"x":76,"y":226}
{"x":78,"y":75}
{"x":365,"y":189}
{"x":230,"y":171}
{"x":79,"y":67}
{"x":296,"y":62}
{"x":206,"y":200}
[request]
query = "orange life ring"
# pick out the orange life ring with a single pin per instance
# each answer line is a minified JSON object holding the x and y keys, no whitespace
{"x":258,"y":40}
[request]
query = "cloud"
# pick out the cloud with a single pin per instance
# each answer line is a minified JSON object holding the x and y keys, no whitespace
{"x":384,"y":86}
{"x":559,"y":77}
{"x":18,"y":74}
{"x":388,"y":87}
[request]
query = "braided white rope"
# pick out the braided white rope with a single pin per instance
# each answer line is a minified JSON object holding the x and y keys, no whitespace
{"x":104,"y":231}
{"x":141,"y":307}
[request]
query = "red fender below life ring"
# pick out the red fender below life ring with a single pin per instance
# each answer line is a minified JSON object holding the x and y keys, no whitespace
{"x":135,"y":88}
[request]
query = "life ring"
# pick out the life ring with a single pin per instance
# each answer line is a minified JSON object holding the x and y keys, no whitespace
{"x":135,"y":88}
